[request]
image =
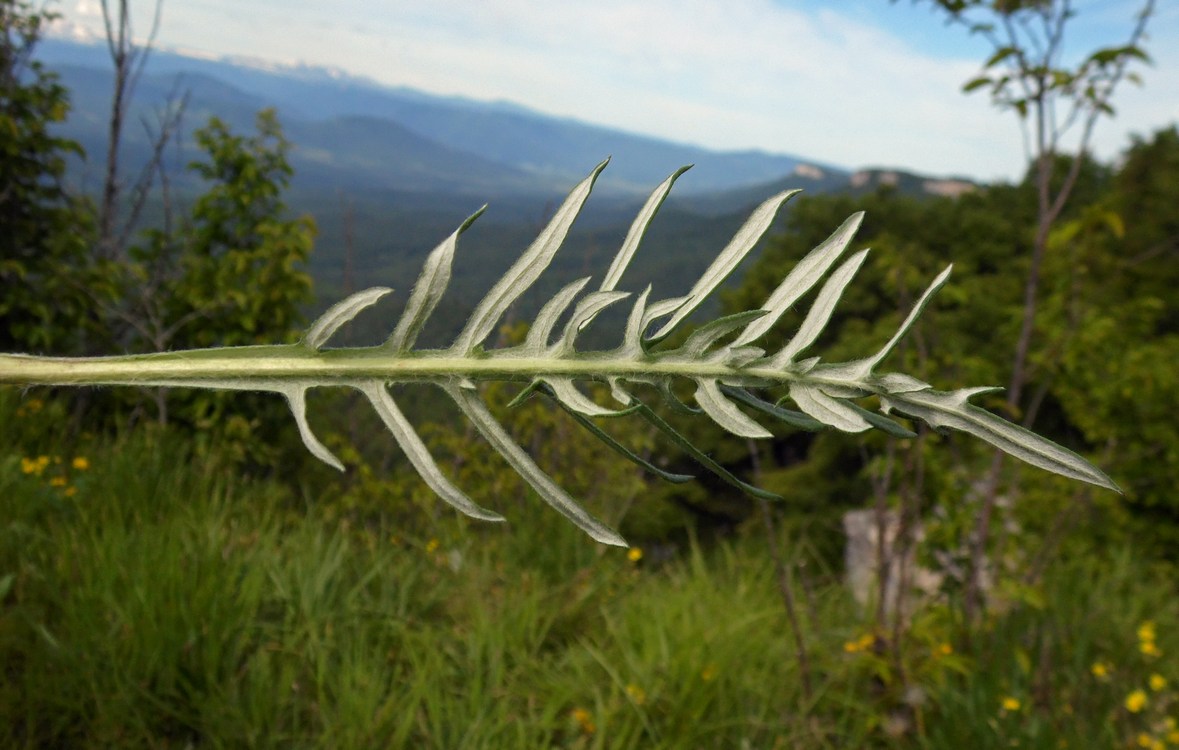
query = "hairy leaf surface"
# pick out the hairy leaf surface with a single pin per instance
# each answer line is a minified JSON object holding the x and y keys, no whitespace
{"x":728,"y":373}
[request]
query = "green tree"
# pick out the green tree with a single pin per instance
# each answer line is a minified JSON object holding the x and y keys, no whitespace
{"x":231,"y":272}
{"x":962,"y":337}
{"x":242,"y":257}
{"x":1113,"y":319}
{"x":1055,"y":98}
{"x":1146,"y":191}
{"x":44,"y":232}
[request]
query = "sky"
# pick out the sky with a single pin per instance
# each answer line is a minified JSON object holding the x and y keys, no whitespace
{"x":851,"y":83}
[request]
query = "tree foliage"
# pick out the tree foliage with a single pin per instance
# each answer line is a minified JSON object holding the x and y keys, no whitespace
{"x":1101,"y":378}
{"x":232,"y":270}
{"x":43,"y":231}
{"x":1115,"y":323}
{"x":1032,"y":72}
{"x":229,"y":270}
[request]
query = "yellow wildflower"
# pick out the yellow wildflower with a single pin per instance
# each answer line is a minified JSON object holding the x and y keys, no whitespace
{"x":634,"y":554}
{"x":58,"y":482}
{"x":81,"y":463}
{"x":1145,"y":740}
{"x":585,"y":720}
{"x":34,"y":465}
{"x":708,"y":674}
{"x":70,"y":491}
{"x":944,"y":649}
{"x":1157,"y":682}
{"x":636,"y":694}
{"x":863,"y":643}
{"x":1101,"y":669}
{"x":1146,"y":631}
{"x":431,"y":546}
{"x":1136,"y":701}
{"x":1149,"y":649}
{"x":1172,"y":728}
{"x":1010,"y":704}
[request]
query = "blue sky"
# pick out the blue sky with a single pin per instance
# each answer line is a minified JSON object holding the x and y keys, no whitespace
{"x":853,"y":83}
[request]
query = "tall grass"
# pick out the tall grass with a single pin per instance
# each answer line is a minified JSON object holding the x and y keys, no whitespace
{"x":150,"y":599}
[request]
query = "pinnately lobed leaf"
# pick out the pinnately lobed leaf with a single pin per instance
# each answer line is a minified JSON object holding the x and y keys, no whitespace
{"x":719,"y":359}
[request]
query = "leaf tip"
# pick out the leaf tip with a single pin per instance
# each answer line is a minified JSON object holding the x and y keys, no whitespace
{"x":610,"y":537}
{"x":471,"y":219}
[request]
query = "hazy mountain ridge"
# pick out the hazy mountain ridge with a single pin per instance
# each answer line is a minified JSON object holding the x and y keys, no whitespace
{"x":552,"y":150}
{"x":387,"y":173}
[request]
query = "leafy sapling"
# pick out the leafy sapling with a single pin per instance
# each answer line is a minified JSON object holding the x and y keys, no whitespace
{"x":721,"y":359}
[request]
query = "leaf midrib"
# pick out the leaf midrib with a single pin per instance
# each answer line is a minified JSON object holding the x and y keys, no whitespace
{"x":331,"y":367}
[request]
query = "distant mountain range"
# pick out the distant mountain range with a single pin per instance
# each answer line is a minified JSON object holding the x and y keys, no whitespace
{"x":388,"y":172}
{"x":351,"y":132}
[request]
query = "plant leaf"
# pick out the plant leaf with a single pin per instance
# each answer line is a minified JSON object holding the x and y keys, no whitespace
{"x":618,"y":447}
{"x":861,"y":369}
{"x":725,"y":413}
{"x":638,"y":228}
{"x":340,"y":313}
{"x":549,"y":491}
{"x":417,"y":453}
{"x":882,"y":423}
{"x":675,"y":402}
{"x":700,"y":456}
{"x":525,"y":271}
{"x":896,"y":382}
{"x":632,"y":337}
{"x":805,"y":274}
{"x":820,"y":312}
{"x":702,"y":339}
{"x":587,"y":309}
{"x":915,"y":313}
{"x":743,"y":241}
{"x":828,"y":410}
{"x":619,"y":394}
{"x":542,"y":328}
{"x":428,"y":290}
{"x":563,"y":391}
{"x":941,"y":409}
{"x":717,"y":358}
{"x":297,"y":400}
{"x":789,"y":416}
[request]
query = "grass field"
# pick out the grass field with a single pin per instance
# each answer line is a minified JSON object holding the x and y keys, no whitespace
{"x":148,"y":598}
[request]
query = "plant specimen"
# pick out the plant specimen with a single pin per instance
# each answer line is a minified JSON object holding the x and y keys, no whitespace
{"x":720,"y":359}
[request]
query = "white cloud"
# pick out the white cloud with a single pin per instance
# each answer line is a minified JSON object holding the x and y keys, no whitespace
{"x":741,"y":74}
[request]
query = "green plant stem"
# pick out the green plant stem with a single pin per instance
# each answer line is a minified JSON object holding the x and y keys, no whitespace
{"x":824,"y":393}
{"x":264,"y":365}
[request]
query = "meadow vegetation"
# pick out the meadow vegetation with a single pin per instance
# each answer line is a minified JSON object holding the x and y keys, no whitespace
{"x":153,"y":597}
